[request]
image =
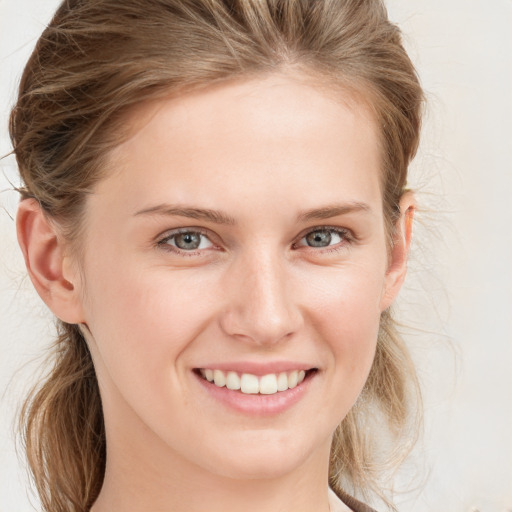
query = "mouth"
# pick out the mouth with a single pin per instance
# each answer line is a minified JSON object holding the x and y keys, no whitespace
{"x":250,"y":384}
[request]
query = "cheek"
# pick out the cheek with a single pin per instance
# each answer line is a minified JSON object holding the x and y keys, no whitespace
{"x":347,"y":299}
{"x":347,"y":315}
{"x":142,"y":320}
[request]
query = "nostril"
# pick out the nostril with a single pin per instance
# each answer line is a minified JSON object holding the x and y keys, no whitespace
{"x":261,"y":311}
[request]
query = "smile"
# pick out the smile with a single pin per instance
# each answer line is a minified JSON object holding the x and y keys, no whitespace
{"x":250,"y":384}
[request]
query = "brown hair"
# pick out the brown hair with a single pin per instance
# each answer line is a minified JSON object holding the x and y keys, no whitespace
{"x":99,"y":58}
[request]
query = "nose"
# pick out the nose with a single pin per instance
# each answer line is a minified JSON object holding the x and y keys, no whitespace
{"x":259,"y":304}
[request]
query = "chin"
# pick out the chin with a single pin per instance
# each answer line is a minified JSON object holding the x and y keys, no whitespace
{"x":261,"y":469}
{"x":263,"y":459}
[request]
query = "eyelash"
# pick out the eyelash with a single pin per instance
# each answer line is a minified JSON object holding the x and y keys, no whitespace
{"x":162,"y":242}
{"x":345,"y":234}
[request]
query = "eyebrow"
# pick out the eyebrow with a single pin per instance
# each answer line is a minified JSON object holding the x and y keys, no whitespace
{"x":327,"y":212}
{"x":218,"y":217}
{"x":214,"y":216}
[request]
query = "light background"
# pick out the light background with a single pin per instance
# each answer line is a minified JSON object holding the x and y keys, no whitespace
{"x":458,"y":301}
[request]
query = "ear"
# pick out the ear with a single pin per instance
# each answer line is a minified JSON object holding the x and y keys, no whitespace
{"x":397,"y":267}
{"x":49,"y":269}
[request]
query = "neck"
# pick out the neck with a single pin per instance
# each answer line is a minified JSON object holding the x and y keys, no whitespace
{"x":136,"y":485}
{"x":142,"y":473}
{"x":180,"y":496}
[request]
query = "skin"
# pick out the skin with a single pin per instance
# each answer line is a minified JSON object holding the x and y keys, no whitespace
{"x":263,"y":152}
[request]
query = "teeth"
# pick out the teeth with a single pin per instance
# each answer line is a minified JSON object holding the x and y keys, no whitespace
{"x":233,"y":381}
{"x":219,"y":378}
{"x":268,"y":384}
{"x":292,"y":379}
{"x":282,"y":382}
{"x":251,"y":384}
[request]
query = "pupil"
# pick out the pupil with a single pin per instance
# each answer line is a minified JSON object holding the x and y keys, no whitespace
{"x":319,"y":239}
{"x":188,"y":240}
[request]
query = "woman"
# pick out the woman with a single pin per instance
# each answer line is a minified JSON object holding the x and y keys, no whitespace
{"x":215,"y":209}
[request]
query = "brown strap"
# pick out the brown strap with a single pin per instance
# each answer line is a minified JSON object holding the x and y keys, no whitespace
{"x":354,"y":504}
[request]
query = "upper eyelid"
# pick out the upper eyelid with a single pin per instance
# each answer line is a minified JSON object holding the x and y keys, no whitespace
{"x":207,"y":232}
{"x":176,"y":231}
{"x":160,"y":239}
{"x":347,"y":232}
{"x":161,"y":242}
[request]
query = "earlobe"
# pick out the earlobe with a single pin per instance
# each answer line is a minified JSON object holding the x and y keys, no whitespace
{"x":397,"y":267}
{"x":46,"y":263}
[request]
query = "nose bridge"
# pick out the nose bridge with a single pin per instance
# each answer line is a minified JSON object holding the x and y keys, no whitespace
{"x":259,"y":302}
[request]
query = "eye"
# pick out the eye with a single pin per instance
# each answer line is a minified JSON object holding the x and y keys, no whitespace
{"x":323,"y":237}
{"x":186,"y":241}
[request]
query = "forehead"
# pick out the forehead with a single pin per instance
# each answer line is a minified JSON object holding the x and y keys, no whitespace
{"x":276,"y":136}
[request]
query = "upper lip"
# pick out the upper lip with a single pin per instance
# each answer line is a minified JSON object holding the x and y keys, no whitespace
{"x":258,"y":368}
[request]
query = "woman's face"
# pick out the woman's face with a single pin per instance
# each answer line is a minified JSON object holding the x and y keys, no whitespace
{"x":239,"y":231}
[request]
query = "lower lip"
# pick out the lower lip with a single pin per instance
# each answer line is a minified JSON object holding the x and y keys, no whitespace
{"x":257,"y":404}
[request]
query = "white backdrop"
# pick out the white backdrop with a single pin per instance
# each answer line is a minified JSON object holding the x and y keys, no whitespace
{"x":458,"y":301}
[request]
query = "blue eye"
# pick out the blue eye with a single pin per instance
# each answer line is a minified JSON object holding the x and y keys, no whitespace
{"x":187,"y":241}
